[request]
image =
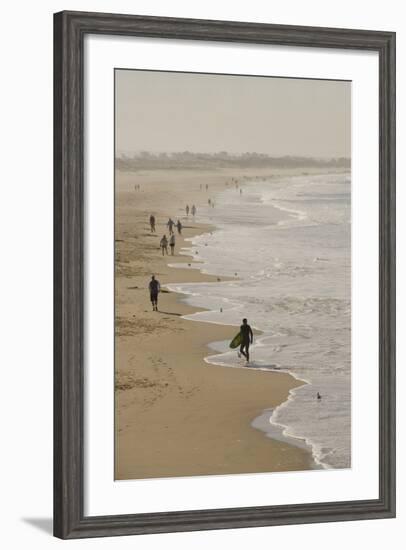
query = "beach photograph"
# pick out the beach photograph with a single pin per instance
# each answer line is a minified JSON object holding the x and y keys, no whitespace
{"x":232,"y":274}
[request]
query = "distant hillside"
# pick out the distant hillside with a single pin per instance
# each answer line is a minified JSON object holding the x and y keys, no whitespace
{"x":204,"y":161}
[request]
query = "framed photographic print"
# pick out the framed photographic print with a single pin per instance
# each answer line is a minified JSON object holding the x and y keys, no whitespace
{"x":224,"y":274}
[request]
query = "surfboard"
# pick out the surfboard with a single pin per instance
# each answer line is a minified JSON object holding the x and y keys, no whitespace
{"x":236,"y":341}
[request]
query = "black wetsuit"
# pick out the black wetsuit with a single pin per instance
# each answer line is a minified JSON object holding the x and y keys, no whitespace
{"x":246,"y":339}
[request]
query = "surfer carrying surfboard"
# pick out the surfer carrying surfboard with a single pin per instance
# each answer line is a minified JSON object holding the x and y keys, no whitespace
{"x":243,"y":339}
{"x":247,"y":338}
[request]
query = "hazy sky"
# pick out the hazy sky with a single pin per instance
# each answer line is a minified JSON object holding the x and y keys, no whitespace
{"x":163,"y":111}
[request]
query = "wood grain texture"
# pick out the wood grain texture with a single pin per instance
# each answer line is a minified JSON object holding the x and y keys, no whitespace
{"x":69,"y":31}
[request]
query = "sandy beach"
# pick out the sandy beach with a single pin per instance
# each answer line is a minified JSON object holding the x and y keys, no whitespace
{"x":176,"y":415}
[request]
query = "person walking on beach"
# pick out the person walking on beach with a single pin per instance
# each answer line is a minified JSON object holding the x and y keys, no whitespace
{"x":154,"y":289}
{"x":170,"y":225}
{"x":193,"y":210}
{"x":179,"y":226}
{"x":247,"y":338}
{"x":164,"y":245}
{"x":152,"y":223}
{"x":172,"y":244}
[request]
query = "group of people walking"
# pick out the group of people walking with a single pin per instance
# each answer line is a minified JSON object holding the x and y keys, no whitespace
{"x":193,"y":210}
{"x":170,"y":225}
{"x":164,"y":242}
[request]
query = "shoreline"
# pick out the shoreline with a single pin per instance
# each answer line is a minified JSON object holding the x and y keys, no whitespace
{"x":263,"y":420}
{"x":261,"y":453}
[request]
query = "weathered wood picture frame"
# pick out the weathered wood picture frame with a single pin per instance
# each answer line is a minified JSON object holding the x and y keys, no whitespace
{"x":70,"y":28}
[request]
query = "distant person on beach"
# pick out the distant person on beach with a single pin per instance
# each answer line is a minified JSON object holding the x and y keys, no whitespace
{"x":170,"y":225}
{"x":207,"y":186}
{"x":193,"y":210}
{"x":164,"y":245}
{"x":152,"y":223}
{"x":172,"y":244}
{"x":187,"y":210}
{"x":154,"y":289}
{"x":247,"y":338}
{"x":179,"y":226}
{"x":209,"y":202}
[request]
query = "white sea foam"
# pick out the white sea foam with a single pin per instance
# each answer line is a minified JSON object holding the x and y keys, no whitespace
{"x":286,"y":241}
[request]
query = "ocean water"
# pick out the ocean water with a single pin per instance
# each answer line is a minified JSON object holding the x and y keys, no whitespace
{"x":286,"y":242}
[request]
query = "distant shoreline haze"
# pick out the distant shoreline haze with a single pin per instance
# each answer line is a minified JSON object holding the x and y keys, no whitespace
{"x":205,"y":161}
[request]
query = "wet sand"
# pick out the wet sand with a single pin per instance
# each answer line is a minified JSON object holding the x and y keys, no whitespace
{"x":176,"y":415}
